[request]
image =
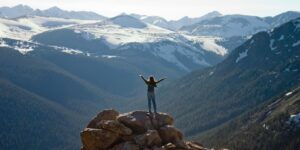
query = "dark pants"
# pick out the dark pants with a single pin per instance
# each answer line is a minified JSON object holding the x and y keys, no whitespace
{"x":151,"y":98}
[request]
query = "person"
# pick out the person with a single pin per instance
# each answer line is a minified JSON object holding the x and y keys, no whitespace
{"x":151,"y":83}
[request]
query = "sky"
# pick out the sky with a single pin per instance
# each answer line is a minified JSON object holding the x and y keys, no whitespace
{"x":169,"y":9}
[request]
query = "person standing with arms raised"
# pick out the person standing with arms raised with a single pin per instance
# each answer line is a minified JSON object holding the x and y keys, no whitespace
{"x":151,"y":83}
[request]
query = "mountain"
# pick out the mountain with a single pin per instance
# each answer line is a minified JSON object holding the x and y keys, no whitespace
{"x":282,"y":18}
{"x":174,"y":24}
{"x":186,"y":21}
{"x":238,"y":25}
{"x":155,"y":20}
{"x":23,"y":10}
{"x":261,"y":68}
{"x":228,"y":26}
{"x":25,"y":27}
{"x":127,"y":21}
{"x":59,"y":13}
{"x":29,"y":121}
{"x":16,"y":11}
{"x":128,"y":37}
{"x":272,"y":125}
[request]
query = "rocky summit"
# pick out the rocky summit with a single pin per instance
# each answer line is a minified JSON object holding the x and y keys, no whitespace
{"x":137,"y":130}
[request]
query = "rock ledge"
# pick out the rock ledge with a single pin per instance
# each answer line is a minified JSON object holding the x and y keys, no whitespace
{"x":137,"y":130}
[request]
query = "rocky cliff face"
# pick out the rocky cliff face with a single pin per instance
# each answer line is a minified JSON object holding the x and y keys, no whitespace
{"x":136,"y":130}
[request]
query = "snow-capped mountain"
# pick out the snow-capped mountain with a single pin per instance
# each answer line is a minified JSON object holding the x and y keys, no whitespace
{"x":206,"y":44}
{"x":16,"y":11}
{"x":174,"y":24}
{"x":282,"y":18}
{"x":23,"y":10}
{"x":59,"y":13}
{"x":155,"y":20}
{"x":186,"y":21}
{"x":25,"y":27}
{"x":127,"y":21}
{"x":126,"y":33}
{"x":228,"y":26}
{"x":238,"y":25}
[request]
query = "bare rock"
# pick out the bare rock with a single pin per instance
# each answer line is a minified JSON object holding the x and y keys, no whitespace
{"x":141,"y":121}
{"x":137,"y":130}
{"x":194,"y":146}
{"x":138,"y":121}
{"x":114,"y":126}
{"x":97,"y":139}
{"x":164,"y":119}
{"x":108,"y":114}
{"x":169,"y":146}
{"x":125,"y":146}
{"x":148,"y":139}
{"x":170,"y":134}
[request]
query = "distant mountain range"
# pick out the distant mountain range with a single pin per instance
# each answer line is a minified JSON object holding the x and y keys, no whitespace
{"x":175,"y":24}
{"x":124,"y":34}
{"x":238,"y":25}
{"x":211,"y":24}
{"x":23,"y":10}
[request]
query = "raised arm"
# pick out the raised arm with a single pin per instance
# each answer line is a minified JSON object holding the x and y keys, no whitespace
{"x":161,"y":80}
{"x":143,"y":79}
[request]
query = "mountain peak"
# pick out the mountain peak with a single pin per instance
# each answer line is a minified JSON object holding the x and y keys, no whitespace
{"x":128,"y":21}
{"x":134,"y":130}
{"x":21,"y":6}
{"x":213,"y":14}
{"x":54,"y":8}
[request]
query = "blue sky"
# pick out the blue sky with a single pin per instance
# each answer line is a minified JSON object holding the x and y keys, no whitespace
{"x":170,"y":9}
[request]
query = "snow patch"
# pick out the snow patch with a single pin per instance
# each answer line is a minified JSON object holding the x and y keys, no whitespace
{"x":296,"y":44}
{"x":24,"y":49}
{"x":281,"y":37}
{"x":295,"y":118}
{"x":272,"y":41}
{"x":209,"y":44}
{"x":266,"y":126}
{"x":67,"y":50}
{"x":71,"y":51}
{"x":242,"y":55}
{"x":19,"y":46}
{"x":109,"y":56}
{"x":288,"y":93}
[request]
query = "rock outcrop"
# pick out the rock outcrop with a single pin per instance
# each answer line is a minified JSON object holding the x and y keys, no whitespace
{"x":136,"y":130}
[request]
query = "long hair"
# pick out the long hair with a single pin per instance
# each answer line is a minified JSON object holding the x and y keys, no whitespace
{"x":151,"y":79}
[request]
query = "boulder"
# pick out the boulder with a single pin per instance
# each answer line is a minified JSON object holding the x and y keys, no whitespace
{"x":114,"y":126}
{"x":169,"y":146}
{"x":164,"y":119}
{"x":194,"y":146}
{"x":108,"y":114}
{"x":170,"y":134}
{"x":97,"y":139}
{"x":125,"y":146}
{"x":141,"y":121}
{"x":148,"y":139}
{"x":138,"y":121}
